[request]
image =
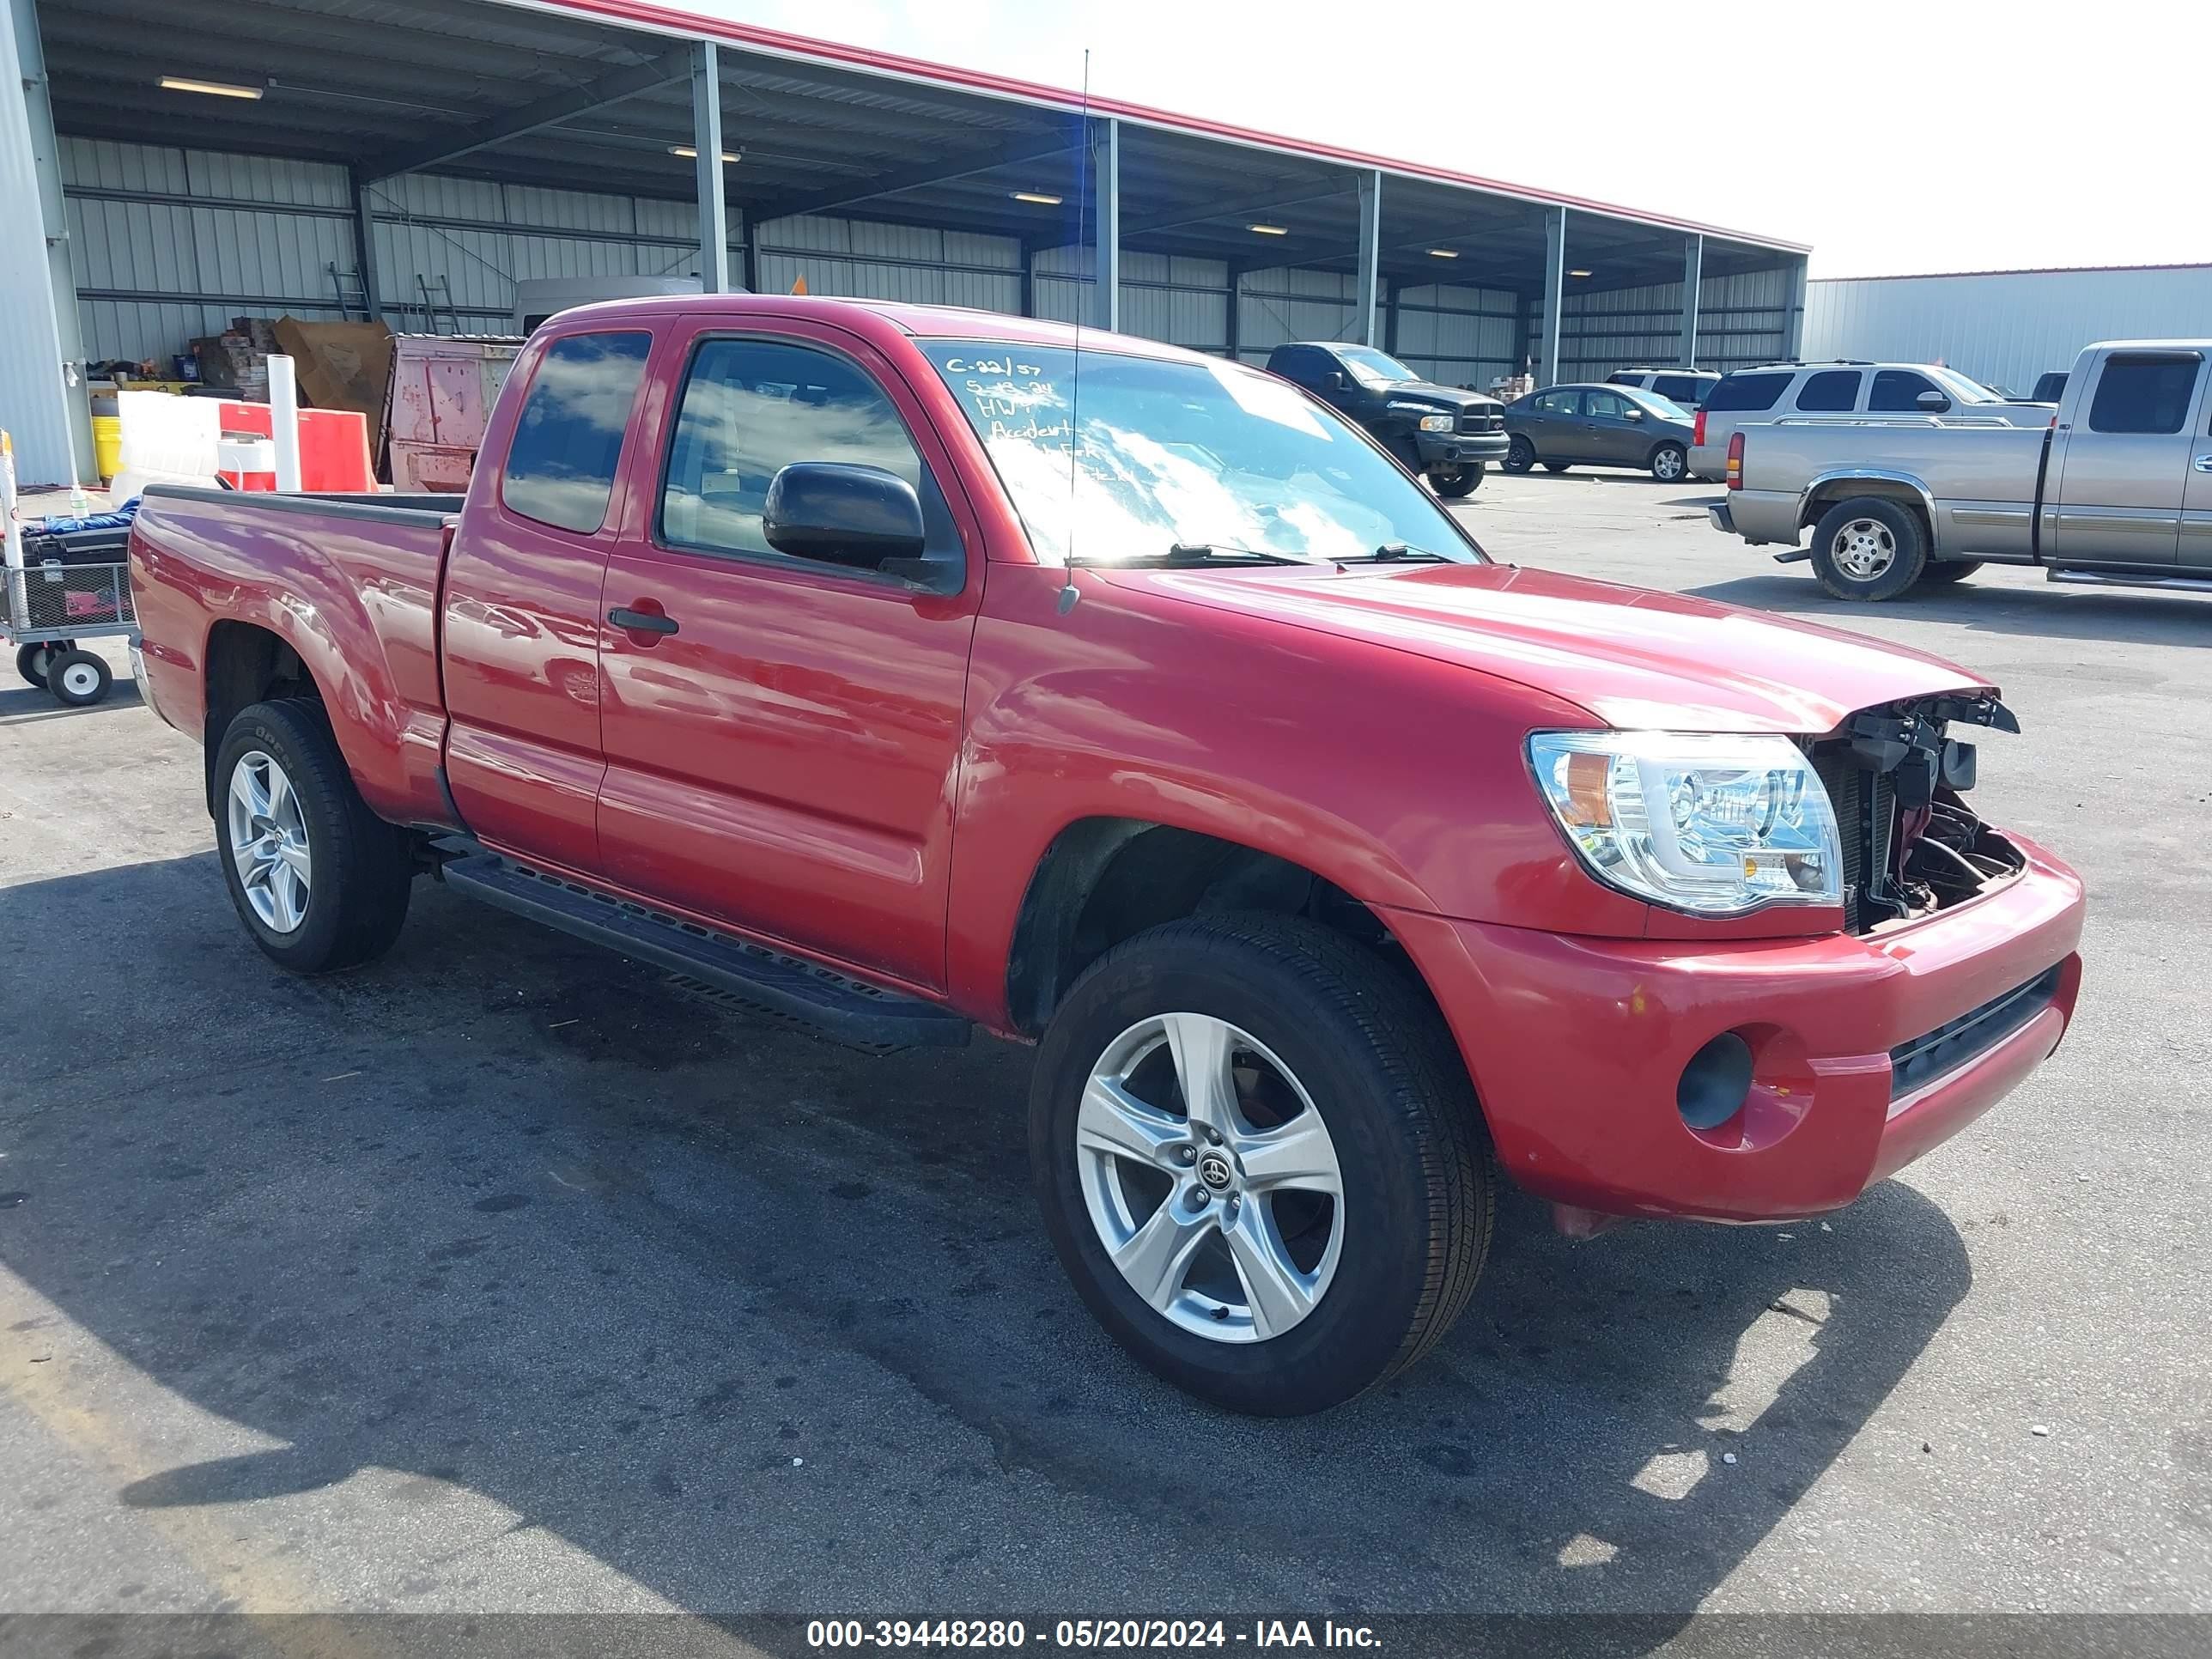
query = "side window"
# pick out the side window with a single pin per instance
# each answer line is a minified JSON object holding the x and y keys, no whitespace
{"x":1682,"y":388}
{"x":752,"y":407}
{"x":1624,"y":377}
{"x":2143,"y":393}
{"x":1555,"y":403}
{"x":1830,"y":391}
{"x":1897,"y":391}
{"x":1746,"y":392}
{"x":1604,"y":406}
{"x":561,"y":462}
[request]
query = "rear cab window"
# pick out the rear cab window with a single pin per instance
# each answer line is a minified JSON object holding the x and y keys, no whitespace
{"x":567,"y":442}
{"x":2144,"y":392}
{"x":1745,"y":393}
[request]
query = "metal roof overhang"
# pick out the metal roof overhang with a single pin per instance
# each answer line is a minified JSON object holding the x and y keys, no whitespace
{"x":594,"y":95}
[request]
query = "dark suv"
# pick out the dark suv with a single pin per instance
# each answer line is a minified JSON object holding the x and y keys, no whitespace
{"x":1438,"y":432}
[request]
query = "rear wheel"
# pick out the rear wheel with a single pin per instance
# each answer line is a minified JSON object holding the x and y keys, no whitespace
{"x":1669,"y":462}
{"x":1556,"y":467}
{"x":320,"y":881}
{"x":1260,"y":1160}
{"x":1455,"y":482}
{"x":1520,"y":454}
{"x":78,"y":679}
{"x":1868,"y":549}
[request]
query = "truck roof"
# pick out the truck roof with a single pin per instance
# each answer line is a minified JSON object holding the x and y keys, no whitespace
{"x":920,"y":321}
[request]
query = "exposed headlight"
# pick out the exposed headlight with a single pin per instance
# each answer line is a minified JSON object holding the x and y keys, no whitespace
{"x":1436,"y":423}
{"x":1711,"y":826}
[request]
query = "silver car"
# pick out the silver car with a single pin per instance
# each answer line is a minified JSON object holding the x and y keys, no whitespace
{"x":1685,"y":386}
{"x":1777,"y":391}
{"x":1565,"y":426}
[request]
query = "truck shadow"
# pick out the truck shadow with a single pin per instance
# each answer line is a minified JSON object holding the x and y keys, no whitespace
{"x":2041,"y":612}
{"x":508,"y":1216}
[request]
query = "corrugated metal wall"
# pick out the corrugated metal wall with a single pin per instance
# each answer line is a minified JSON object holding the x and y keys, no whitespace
{"x":1742,"y":319}
{"x":2004,"y":328}
{"x":890,"y":262}
{"x":1180,"y":301}
{"x":168,"y":244}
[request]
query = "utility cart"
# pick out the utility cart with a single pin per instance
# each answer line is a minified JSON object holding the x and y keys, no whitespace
{"x":70,"y":587}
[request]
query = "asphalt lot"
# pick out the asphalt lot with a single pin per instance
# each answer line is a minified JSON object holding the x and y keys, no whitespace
{"x":497,"y":1276}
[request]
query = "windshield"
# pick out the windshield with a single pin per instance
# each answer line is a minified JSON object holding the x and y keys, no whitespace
{"x":1375,"y":368}
{"x":1665,"y":407}
{"x":1966,"y":391}
{"x":1172,"y":454}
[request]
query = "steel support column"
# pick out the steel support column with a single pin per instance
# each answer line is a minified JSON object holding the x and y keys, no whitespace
{"x":1390,"y":318}
{"x":1694,"y":280}
{"x":1555,"y":280}
{"x":364,"y":244}
{"x":1371,"y":254}
{"x":1793,"y":323}
{"x":53,"y":223}
{"x":707,"y":138}
{"x":1106,"y":235}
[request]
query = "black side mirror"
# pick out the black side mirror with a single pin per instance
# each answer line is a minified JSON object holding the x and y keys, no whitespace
{"x":1934,"y":402}
{"x":1333,"y":381}
{"x":843,"y":514}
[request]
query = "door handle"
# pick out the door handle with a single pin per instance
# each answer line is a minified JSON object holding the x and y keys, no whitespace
{"x":2202,"y":463}
{"x":642,"y":621}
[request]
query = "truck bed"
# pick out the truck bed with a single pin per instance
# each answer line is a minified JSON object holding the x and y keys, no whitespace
{"x":1981,"y":478}
{"x":348,"y":582}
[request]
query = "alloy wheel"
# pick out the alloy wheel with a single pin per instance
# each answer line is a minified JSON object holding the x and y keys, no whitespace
{"x":1863,"y":548}
{"x":269,"y":841}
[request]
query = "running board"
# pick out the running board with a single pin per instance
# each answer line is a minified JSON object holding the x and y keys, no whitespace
{"x":862,"y":1015}
{"x":2126,"y":578}
{"x":1795,"y":556}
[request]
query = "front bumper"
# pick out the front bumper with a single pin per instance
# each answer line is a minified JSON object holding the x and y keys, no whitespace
{"x":1576,"y":1047}
{"x":1461,"y":449}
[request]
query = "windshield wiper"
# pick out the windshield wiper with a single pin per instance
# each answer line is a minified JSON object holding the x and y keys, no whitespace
{"x":1225,"y":553}
{"x":1390,"y":551}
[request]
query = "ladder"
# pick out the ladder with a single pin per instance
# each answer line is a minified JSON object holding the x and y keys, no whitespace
{"x":437,"y":297}
{"x":352,"y":294}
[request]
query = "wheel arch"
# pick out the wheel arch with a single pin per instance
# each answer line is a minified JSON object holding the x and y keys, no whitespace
{"x":1831,"y":489}
{"x":1104,"y":879}
{"x":244,"y":663}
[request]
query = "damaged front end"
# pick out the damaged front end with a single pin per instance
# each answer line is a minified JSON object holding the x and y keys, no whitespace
{"x":1897,"y":780}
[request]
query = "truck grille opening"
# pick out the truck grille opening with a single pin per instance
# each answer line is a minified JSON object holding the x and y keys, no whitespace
{"x":1478,"y":421}
{"x":1911,"y":844}
{"x":1916,"y":1064}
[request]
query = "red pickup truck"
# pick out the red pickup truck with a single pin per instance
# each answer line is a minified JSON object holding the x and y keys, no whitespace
{"x":904,"y":671}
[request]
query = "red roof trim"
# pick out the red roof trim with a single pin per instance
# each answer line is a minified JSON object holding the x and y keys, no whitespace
{"x":668,"y":20}
{"x":2022,"y":270}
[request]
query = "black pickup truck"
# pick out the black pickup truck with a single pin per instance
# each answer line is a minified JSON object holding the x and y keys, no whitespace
{"x":1439,"y":432}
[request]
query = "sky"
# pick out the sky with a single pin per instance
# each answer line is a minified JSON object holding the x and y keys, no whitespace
{"x":1948,"y":135}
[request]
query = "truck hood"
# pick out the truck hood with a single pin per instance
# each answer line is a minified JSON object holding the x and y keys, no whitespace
{"x":1634,"y":659}
{"x":1430,"y":395}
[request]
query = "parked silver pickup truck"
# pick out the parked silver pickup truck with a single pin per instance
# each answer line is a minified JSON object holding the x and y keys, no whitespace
{"x":2117,"y":490}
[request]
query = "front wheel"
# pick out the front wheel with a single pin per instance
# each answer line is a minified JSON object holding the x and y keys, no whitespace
{"x":1557,"y":466}
{"x":1259,"y":1161}
{"x":1455,"y":482}
{"x":1669,"y":462}
{"x":320,"y":881}
{"x":1520,"y":455}
{"x":1868,"y":549}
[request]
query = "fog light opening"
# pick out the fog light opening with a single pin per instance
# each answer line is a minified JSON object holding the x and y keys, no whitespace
{"x":1716,"y":1083}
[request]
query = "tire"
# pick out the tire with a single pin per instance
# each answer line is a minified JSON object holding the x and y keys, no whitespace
{"x":1670,"y":463}
{"x":78,"y":679}
{"x":1520,"y":454}
{"x":1382,"y":1267}
{"x":1557,"y":466}
{"x":1948,"y":573}
{"x":1459,"y":483}
{"x":31,"y":662}
{"x":1407,"y":453}
{"x":355,"y":870}
{"x":1869,"y":549}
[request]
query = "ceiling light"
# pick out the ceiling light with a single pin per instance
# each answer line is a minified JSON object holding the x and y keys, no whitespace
{"x":1578,"y":273}
{"x":732,"y":156}
{"x":1035,"y":196}
{"x":1443,"y":254}
{"x":213,"y":88}
{"x":1269,"y":230}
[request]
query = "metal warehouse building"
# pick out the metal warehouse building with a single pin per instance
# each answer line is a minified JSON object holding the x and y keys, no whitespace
{"x":2004,"y":327}
{"x":332,"y":158}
